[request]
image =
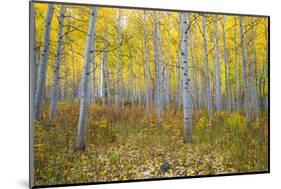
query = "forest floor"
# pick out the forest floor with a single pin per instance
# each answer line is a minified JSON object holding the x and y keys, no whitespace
{"x":126,"y":145}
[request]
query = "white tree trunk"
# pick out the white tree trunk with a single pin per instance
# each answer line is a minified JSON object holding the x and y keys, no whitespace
{"x":146,"y":69}
{"x":244,"y":71}
{"x":54,"y":95}
{"x":179,"y":80}
{"x":139,"y":74}
{"x":131,"y":75}
{"x":160,"y":68}
{"x":200,"y":80}
{"x":102,"y":81}
{"x":93,"y":73}
{"x":194,"y":94}
{"x":82,"y":123}
{"x":156,"y":66}
{"x":168,"y":83}
{"x":253,"y":92}
{"x":106,"y":69}
{"x":236,"y":67}
{"x":217,"y":68}
{"x":207,"y":70}
{"x":43,"y":62}
{"x":186,"y":82}
{"x":227,"y":84}
{"x":101,"y":78}
{"x":119,"y":86}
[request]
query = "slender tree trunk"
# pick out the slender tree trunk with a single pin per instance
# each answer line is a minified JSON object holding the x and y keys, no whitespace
{"x":179,"y":73}
{"x":176,"y":77}
{"x":244,"y":71}
{"x":194,"y":82}
{"x":93,"y":93}
{"x":200,"y":80}
{"x":119,"y":87}
{"x":139,"y":75}
{"x":217,"y":68}
{"x":103,"y":82}
{"x":186,"y":82}
{"x":54,"y":95}
{"x":225,"y":57}
{"x":157,"y":71}
{"x":131,"y":75}
{"x":101,"y":79}
{"x":65,"y":82}
{"x":82,"y":123}
{"x":161,"y":78}
{"x":180,"y":86}
{"x":73,"y":76}
{"x":253,"y":91}
{"x":146,"y":69}
{"x":106,"y":69}
{"x":43,"y":62}
{"x":236,"y":67}
{"x":93,"y":73}
{"x":168,"y":92}
{"x":207,"y":70}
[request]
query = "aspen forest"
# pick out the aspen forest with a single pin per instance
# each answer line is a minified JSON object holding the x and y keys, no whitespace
{"x":126,"y":94}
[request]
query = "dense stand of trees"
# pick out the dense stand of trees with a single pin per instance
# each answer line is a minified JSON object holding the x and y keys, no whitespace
{"x":162,"y":61}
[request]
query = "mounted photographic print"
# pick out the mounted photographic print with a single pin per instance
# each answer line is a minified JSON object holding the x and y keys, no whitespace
{"x":121,"y":94}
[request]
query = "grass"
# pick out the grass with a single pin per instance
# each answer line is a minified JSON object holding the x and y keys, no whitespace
{"x":126,"y":144}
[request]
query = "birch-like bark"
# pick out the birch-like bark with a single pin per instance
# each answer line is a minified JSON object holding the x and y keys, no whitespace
{"x":146,"y":69}
{"x":156,"y":66}
{"x":225,"y":57}
{"x":102,"y":82}
{"x":43,"y":62}
{"x":160,"y":68}
{"x":253,"y":92}
{"x":217,"y":68}
{"x":194,"y":82}
{"x":106,"y":69}
{"x":244,"y":71}
{"x":131,"y":74}
{"x":207,"y":70}
{"x":82,"y":123}
{"x":93,"y":92}
{"x":178,"y":75}
{"x":55,"y":85}
{"x":101,"y":78}
{"x":64,"y":84}
{"x":187,"y":134}
{"x":168,"y":93}
{"x":200,"y":80}
{"x":93,"y":74}
{"x":119,"y":88}
{"x":139,"y":74}
{"x":179,"y":79}
{"x":236,"y":66}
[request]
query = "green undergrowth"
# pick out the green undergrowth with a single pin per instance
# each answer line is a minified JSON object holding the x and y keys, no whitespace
{"x":127,"y":144}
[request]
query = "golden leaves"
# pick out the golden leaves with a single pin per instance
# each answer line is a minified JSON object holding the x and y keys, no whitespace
{"x":129,"y":145}
{"x":102,"y":123}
